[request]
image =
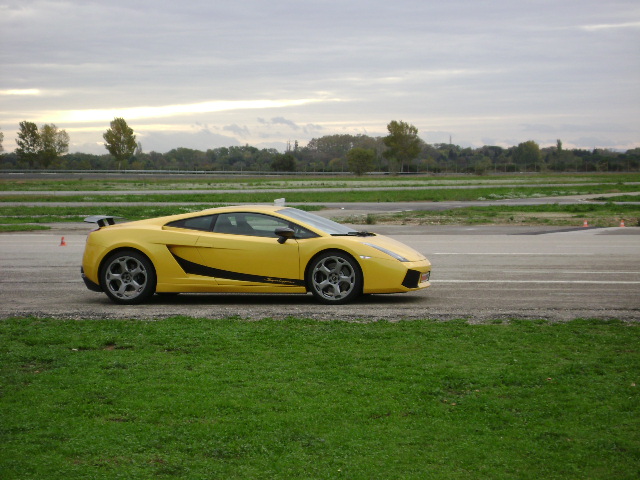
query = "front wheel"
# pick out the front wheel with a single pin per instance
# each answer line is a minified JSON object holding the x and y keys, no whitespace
{"x":128,"y":277}
{"x":334,"y":278}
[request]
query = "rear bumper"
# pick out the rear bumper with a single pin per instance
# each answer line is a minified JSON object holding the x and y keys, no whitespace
{"x":94,"y":287}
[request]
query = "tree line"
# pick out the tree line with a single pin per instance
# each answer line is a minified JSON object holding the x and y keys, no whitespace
{"x":401,"y":151}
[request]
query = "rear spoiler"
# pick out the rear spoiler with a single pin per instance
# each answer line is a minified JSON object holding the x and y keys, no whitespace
{"x":101,"y":220}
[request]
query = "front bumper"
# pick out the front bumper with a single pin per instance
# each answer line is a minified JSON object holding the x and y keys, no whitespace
{"x":392,"y":276}
{"x":414,"y":278}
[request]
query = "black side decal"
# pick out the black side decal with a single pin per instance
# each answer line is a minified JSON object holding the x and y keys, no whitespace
{"x":203,"y":270}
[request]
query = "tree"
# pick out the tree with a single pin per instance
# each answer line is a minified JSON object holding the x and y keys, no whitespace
{"x":361,"y":160}
{"x":29,"y":143}
{"x":53,"y":143}
{"x":527,"y":153}
{"x":481,"y":164}
{"x":1,"y":139}
{"x":284,"y":162}
{"x":120,"y":140}
{"x":41,"y":145}
{"x":403,"y":144}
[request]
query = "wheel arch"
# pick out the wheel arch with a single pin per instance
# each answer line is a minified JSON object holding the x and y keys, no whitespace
{"x":328,"y":251}
{"x":116,"y":250}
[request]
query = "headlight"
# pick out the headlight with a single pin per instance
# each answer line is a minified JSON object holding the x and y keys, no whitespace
{"x":400,"y":258}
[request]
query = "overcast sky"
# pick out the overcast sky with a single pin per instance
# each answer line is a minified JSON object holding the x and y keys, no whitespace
{"x":204,"y":74}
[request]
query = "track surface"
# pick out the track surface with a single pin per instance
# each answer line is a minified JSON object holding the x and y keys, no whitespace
{"x":479,"y":273}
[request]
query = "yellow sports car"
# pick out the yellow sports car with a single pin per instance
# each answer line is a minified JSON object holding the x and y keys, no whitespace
{"x":251,"y":249}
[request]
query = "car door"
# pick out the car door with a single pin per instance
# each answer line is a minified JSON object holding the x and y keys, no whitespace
{"x":181,"y":237}
{"x":243,"y":250}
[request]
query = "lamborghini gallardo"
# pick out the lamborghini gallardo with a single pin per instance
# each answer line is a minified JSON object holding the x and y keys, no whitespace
{"x":250,"y":249}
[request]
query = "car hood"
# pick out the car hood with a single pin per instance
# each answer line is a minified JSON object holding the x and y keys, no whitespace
{"x":394,"y":246}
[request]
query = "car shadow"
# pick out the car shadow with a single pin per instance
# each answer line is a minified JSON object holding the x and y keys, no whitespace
{"x":185,"y":299}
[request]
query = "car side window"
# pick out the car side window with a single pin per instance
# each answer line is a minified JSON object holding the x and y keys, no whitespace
{"x":203,"y":223}
{"x":256,"y":225}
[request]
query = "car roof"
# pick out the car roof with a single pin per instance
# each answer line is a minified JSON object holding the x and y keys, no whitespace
{"x":164,"y":220}
{"x":216,"y":210}
{"x":243,"y":208}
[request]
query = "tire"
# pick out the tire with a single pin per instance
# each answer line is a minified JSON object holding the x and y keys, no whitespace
{"x":334,"y":278}
{"x":128,"y":277}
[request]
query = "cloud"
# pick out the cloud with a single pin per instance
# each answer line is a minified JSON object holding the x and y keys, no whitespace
{"x":166,"y":111}
{"x":279,"y":121}
{"x":201,"y":140}
{"x":20,"y":92}
{"x":539,"y":128}
{"x":284,"y":121}
{"x":596,"y":141}
{"x":472,"y":70}
{"x":610,"y":26}
{"x":313,"y":129}
{"x":238,"y":130}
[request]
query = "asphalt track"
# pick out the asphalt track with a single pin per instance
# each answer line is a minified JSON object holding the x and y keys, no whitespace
{"x":479,"y":274}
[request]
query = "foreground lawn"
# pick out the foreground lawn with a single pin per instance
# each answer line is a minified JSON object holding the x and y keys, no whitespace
{"x":195,"y":398}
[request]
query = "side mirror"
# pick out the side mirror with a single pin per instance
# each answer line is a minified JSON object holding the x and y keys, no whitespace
{"x":284,"y":233}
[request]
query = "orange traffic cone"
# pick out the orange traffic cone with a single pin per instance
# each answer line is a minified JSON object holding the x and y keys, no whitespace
{"x":63,"y":243}
{"x":585,"y":224}
{"x":622,"y":222}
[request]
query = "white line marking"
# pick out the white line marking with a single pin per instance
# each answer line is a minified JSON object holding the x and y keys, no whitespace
{"x":571,"y":272}
{"x":595,"y":282}
{"x":517,"y":254}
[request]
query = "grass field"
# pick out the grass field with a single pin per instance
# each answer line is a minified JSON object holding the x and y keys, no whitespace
{"x":194,"y":398}
{"x":240,"y":182}
{"x":598,"y":215}
{"x":607,"y":214}
{"x":440,"y":189}
{"x":355,"y":195}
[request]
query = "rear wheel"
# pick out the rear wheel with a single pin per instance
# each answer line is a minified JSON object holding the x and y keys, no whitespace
{"x":334,"y":278}
{"x":128,"y":277}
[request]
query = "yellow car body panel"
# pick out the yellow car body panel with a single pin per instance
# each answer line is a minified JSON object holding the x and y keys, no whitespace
{"x":190,"y":261}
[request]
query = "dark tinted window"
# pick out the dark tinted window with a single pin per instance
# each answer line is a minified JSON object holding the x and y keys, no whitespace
{"x":256,"y":225}
{"x":203,"y":223}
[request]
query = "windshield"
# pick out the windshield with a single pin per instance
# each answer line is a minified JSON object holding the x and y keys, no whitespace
{"x":316,"y":221}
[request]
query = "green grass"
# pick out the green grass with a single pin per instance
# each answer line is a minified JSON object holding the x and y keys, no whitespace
{"x":198,"y":398}
{"x":483,"y":188}
{"x":357,"y":195}
{"x":620,"y":198}
{"x":21,"y":227}
{"x":599,"y":215}
{"x":20,"y":215}
{"x":300,"y":181}
{"x":47,"y":214}
{"x":189,"y":182}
